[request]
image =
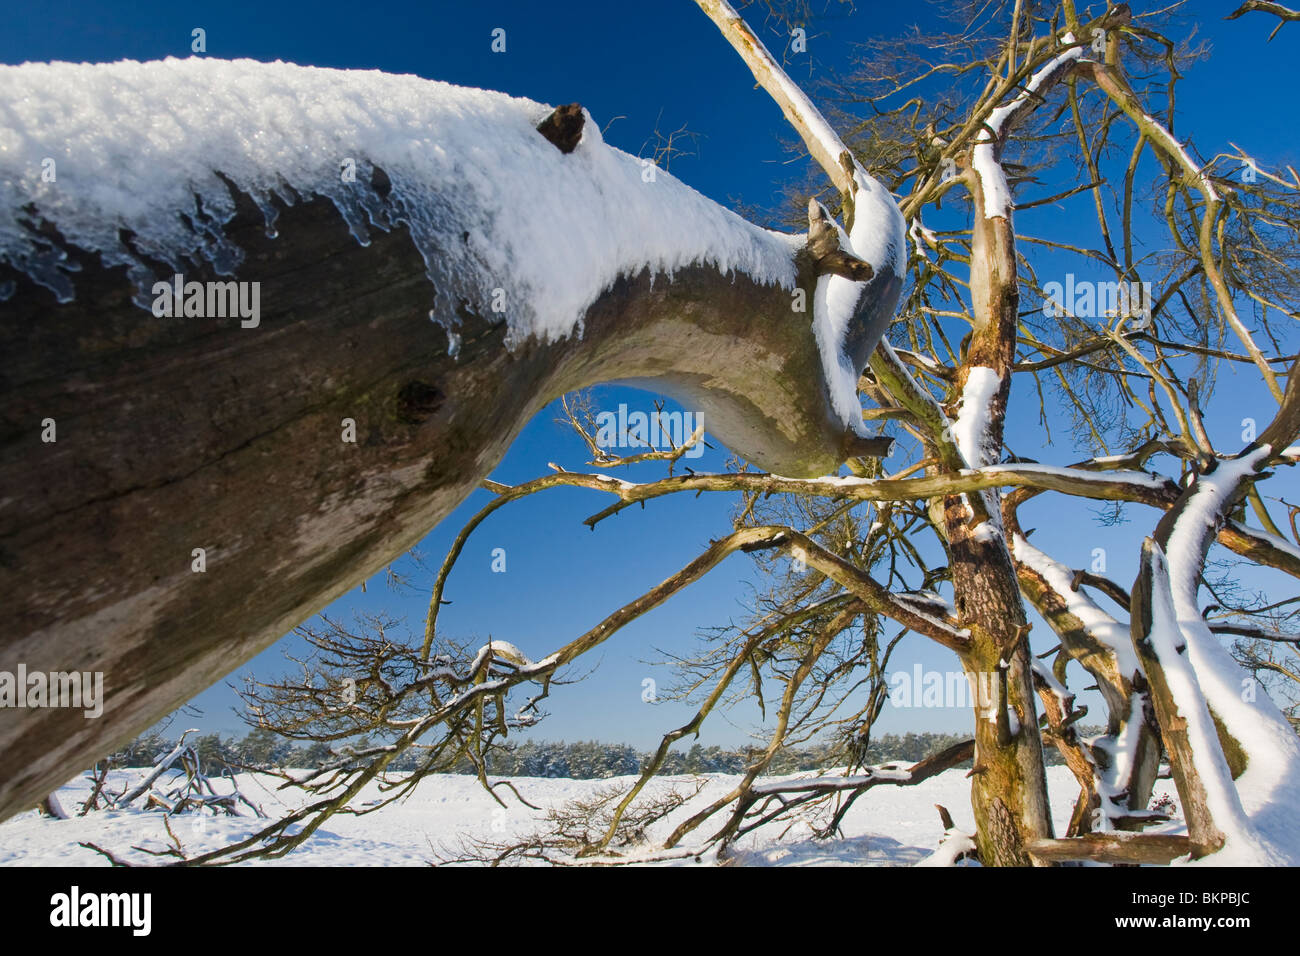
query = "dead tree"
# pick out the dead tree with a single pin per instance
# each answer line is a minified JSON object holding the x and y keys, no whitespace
{"x":174,"y":435}
{"x":938,"y":547}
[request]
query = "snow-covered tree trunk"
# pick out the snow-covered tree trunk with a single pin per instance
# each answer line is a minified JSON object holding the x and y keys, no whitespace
{"x":1009,"y":790}
{"x":1234,"y":757}
{"x":182,"y":489}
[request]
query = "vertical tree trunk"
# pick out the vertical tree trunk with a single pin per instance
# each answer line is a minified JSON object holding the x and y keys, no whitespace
{"x":1009,"y":785}
{"x":1153,"y":607}
{"x":1009,"y":789}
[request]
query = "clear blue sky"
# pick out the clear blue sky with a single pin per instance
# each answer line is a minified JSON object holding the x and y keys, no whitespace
{"x":635,"y":66}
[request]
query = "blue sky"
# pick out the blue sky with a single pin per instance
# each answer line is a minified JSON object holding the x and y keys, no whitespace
{"x":635,"y":66}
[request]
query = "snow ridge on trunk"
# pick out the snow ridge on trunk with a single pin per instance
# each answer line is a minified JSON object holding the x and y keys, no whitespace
{"x":985,"y":153}
{"x":1255,"y":811}
{"x":99,"y":149}
{"x":878,"y":237}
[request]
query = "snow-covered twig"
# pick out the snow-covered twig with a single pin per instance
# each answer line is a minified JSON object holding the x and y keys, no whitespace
{"x":954,"y":846}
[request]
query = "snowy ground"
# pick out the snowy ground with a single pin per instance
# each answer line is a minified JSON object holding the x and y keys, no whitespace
{"x":889,"y":826}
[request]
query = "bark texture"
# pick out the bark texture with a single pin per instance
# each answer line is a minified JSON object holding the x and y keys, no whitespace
{"x":182,"y":433}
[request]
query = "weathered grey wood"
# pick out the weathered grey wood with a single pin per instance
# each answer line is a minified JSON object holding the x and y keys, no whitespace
{"x":1117,"y":847}
{"x":175,"y":434}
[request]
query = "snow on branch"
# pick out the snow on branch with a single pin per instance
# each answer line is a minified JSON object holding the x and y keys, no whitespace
{"x":890,"y":773}
{"x":954,"y":846}
{"x":986,"y":154}
{"x":876,"y":232}
{"x":481,"y":189}
{"x":194,"y":791}
{"x":972,"y":430}
{"x":1122,"y":772}
{"x":1262,"y":750}
{"x":823,"y":143}
{"x":1104,"y":628}
{"x":1211,"y":803}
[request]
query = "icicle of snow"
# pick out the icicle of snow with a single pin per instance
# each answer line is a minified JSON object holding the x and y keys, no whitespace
{"x":137,"y":147}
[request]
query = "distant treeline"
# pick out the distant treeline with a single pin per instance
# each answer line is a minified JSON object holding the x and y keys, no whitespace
{"x":584,"y":760}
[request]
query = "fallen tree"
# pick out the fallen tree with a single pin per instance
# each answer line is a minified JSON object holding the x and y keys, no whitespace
{"x":184,"y":483}
{"x":941,"y":547}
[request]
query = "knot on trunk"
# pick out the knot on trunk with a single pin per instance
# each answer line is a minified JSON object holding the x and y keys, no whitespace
{"x":416,"y":401}
{"x":563,"y":128}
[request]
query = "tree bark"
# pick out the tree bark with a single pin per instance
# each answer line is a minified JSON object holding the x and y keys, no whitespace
{"x":1151,"y":597}
{"x":1117,"y":848}
{"x":1009,"y":790}
{"x":181,"y":433}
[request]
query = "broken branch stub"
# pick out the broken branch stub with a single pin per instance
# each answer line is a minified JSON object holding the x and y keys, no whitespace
{"x":563,"y":128}
{"x":826,"y":245}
